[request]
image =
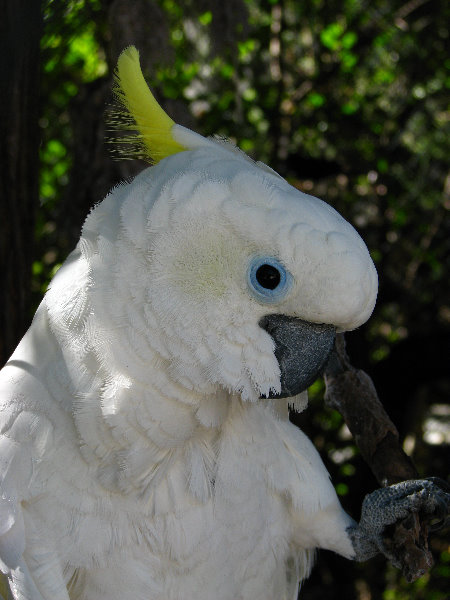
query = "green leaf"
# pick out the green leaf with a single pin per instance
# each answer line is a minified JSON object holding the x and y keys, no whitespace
{"x":342,"y":489}
{"x":348,"y":60}
{"x":350,"y":107}
{"x":349,"y":39}
{"x":316,"y":99}
{"x":249,"y":94}
{"x":55,"y":149}
{"x":382,"y":165}
{"x":205,"y":18}
{"x":330,"y":36}
{"x":37,"y":267}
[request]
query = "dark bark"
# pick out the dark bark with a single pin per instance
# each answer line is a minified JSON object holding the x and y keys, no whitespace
{"x":352,"y":393}
{"x":19,"y":193}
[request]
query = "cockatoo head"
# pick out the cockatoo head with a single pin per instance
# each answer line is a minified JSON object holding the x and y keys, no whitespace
{"x":235,"y":279}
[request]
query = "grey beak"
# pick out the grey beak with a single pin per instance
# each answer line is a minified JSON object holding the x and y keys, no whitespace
{"x":301,"y":348}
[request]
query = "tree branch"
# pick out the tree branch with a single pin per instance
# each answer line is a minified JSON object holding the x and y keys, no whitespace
{"x":352,"y":392}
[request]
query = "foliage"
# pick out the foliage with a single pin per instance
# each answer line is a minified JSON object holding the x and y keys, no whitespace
{"x":348,"y":100}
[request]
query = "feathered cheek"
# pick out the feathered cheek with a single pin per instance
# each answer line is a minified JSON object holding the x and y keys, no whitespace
{"x":265,"y":373}
{"x":199,"y":262}
{"x":250,"y":368}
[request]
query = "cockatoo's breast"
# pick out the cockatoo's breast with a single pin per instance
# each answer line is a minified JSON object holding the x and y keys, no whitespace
{"x":237,"y":541}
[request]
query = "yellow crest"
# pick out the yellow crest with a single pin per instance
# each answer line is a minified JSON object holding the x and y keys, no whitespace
{"x":153,"y":139}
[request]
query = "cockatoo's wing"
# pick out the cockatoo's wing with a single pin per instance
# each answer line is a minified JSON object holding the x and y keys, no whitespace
{"x":18,"y":458}
{"x":12,"y":531}
{"x":29,"y":564}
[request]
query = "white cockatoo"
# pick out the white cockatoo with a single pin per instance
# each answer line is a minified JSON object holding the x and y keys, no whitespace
{"x":145,"y":449}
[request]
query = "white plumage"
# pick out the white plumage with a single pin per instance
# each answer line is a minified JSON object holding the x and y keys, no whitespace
{"x":137,"y":458}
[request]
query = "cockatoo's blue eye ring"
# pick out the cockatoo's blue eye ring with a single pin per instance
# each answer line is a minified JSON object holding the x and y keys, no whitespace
{"x":268,"y":279}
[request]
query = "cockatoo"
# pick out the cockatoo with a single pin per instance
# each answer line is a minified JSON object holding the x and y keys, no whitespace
{"x":145,"y":450}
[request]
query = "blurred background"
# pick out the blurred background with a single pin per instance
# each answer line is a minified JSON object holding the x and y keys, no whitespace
{"x":348,"y":99}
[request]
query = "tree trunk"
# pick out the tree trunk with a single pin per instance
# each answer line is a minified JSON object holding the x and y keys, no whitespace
{"x":19,"y":191}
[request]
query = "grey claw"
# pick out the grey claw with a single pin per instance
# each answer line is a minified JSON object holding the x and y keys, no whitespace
{"x":441,"y":512}
{"x":438,"y":504}
{"x":440,"y":483}
{"x":385,"y":507}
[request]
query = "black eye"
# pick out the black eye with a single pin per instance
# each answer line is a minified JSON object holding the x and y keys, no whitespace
{"x":268,"y":276}
{"x":268,"y":280}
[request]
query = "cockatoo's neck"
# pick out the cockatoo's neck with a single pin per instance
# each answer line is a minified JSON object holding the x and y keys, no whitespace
{"x":143,"y":428}
{"x":129,"y":410}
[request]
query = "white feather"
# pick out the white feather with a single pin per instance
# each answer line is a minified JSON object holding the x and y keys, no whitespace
{"x":136,"y":457}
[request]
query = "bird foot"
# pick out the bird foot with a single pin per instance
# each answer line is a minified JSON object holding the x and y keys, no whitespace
{"x":395,"y":521}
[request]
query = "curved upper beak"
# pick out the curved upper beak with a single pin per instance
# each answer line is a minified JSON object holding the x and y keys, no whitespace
{"x":302,"y":350}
